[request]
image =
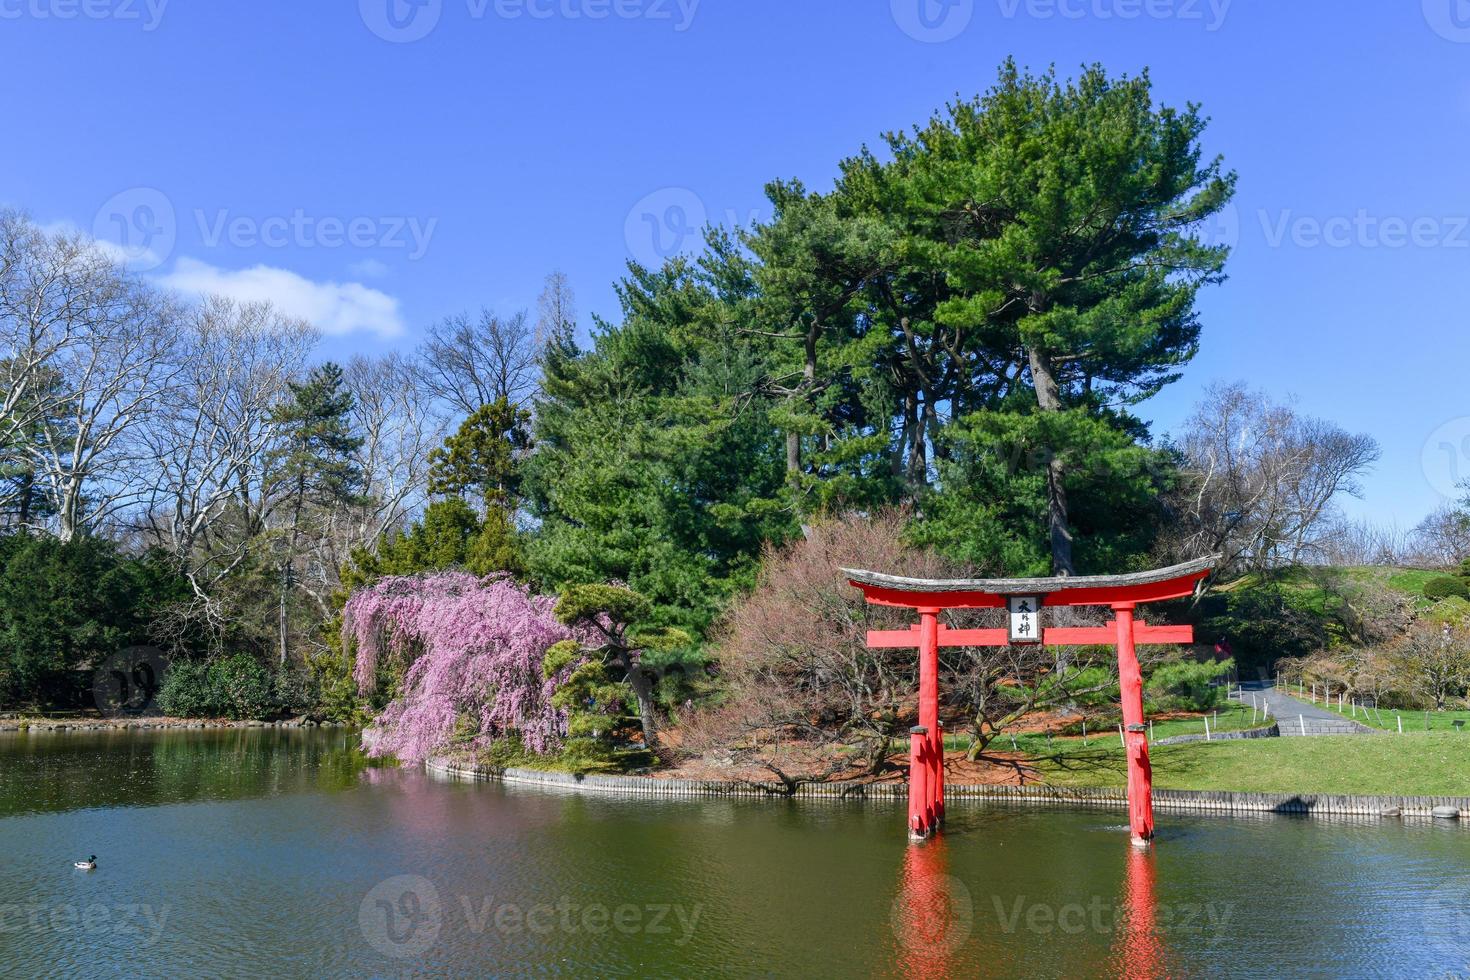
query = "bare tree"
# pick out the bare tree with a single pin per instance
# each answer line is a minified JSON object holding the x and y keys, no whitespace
{"x":395,"y":415}
{"x":1441,"y":539}
{"x":106,"y":341}
{"x":556,"y":322}
{"x":1262,"y":481}
{"x":1348,"y":543}
{"x":795,"y":656}
{"x":1433,"y":663}
{"x":210,"y":435}
{"x":469,"y":363}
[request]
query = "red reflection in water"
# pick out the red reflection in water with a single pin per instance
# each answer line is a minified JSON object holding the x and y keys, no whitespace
{"x":933,"y":914}
{"x":1137,"y":947}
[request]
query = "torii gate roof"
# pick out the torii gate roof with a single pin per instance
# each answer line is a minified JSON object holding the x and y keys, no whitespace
{"x":1072,"y":590}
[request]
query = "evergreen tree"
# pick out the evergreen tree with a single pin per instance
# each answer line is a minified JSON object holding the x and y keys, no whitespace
{"x":654,"y":465}
{"x":449,"y":536}
{"x":1048,"y":236}
{"x":484,"y":456}
{"x":316,"y":464}
{"x":613,"y":667}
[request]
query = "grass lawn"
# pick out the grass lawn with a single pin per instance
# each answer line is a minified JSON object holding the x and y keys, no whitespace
{"x":1231,"y":717}
{"x":1415,"y":722}
{"x":1429,"y":765}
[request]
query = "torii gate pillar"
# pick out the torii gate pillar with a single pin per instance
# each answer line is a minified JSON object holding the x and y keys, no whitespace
{"x":1121,"y":593}
{"x":1135,"y":738}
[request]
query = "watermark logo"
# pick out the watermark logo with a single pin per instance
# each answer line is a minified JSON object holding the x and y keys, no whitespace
{"x":404,"y":21}
{"x":148,"y":13}
{"x":679,"y":13}
{"x":933,"y":914}
{"x":140,"y":228}
{"x":401,"y":917}
{"x":1210,"y":13}
{"x":400,"y":21}
{"x":1101,"y":916}
{"x":932,"y":21}
{"x":1447,"y":918}
{"x":141,"y":221}
{"x":302,"y":230}
{"x":129,"y":681}
{"x":1220,"y":228}
{"x":1365,"y":230}
{"x":664,"y":224}
{"x":140,"y":925}
{"x":1446,"y":458}
{"x":1450,"y":19}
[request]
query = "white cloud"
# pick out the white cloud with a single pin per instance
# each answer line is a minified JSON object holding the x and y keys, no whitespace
{"x":133,"y":258}
{"x":334,"y":308}
{"x":368,"y":269}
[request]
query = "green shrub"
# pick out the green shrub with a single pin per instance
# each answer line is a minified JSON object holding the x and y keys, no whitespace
{"x":238,"y":687}
{"x":337,"y":697}
{"x":70,"y":605}
{"x":1455,"y":610}
{"x":1186,"y":685}
{"x":185,"y":692}
{"x":1446,"y":586}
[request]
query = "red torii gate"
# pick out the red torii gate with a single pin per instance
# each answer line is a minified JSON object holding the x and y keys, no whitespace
{"x":1025,"y":598}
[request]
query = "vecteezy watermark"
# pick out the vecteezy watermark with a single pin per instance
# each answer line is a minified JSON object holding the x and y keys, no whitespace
{"x":663,"y":224}
{"x":1364,"y":229}
{"x":301,"y":230}
{"x":403,"y":21}
{"x":1450,"y":19}
{"x":671,"y":221}
{"x":1446,"y":919}
{"x":1220,"y":228}
{"x":128,"y":682}
{"x":933,"y":914}
{"x":142,"y":922}
{"x":1102,"y":916}
{"x":143,"y":224}
{"x":936,"y":21}
{"x":1446,"y":458}
{"x":932,"y":21}
{"x":400,"y":21}
{"x":403,"y":917}
{"x":1210,"y":14}
{"x":148,"y":13}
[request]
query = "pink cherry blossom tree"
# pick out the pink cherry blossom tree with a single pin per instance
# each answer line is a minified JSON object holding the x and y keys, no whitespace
{"x":471,"y":650}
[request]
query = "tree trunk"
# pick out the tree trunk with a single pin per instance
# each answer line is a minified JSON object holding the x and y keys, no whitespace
{"x":27,"y":489}
{"x":1049,"y":399}
{"x":643,"y":691}
{"x":285,"y":586}
{"x":290,"y":560}
{"x":912,"y":436}
{"x":808,"y":384}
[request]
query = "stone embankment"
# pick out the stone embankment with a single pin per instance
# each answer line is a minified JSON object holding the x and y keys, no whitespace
{"x":1310,"y":804}
{"x":131,"y":724}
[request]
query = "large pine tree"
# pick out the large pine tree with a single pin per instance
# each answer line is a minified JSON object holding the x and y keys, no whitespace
{"x":315,"y":466}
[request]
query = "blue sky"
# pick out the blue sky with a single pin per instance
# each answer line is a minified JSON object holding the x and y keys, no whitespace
{"x":377,"y":164}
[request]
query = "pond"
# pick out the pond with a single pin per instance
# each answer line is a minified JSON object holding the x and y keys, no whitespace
{"x":281,"y":853}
